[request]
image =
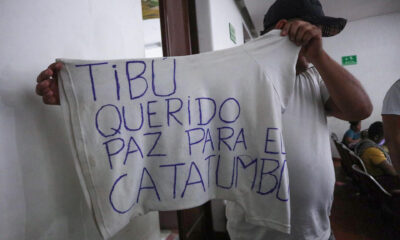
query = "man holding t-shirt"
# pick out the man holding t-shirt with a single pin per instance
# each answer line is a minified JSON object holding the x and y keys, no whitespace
{"x":305,"y":128}
{"x":325,"y":88}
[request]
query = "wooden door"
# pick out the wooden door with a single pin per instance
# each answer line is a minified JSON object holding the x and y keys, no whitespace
{"x":179,"y":37}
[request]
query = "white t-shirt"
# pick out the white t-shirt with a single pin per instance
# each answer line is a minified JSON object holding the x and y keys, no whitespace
{"x":391,"y":102}
{"x":310,"y":167}
{"x":173,"y":133}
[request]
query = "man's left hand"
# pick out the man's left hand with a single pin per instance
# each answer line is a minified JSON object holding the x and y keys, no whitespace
{"x":306,"y":35}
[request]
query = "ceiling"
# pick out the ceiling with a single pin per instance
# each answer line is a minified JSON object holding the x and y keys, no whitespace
{"x":349,"y":9}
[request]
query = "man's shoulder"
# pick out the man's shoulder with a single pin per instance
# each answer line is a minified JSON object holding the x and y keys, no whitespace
{"x":395,"y":88}
{"x":375,"y":153}
{"x":391,"y":102}
{"x":373,"y":150}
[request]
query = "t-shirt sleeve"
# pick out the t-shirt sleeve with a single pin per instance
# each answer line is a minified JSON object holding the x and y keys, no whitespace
{"x":375,"y":155}
{"x":391,"y":102}
{"x":324,"y":91}
{"x":276,"y":57}
{"x":322,"y":87}
{"x":349,"y":134}
{"x":356,"y":135}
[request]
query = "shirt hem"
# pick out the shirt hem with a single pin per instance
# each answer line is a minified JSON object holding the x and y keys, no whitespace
{"x":285,"y":228}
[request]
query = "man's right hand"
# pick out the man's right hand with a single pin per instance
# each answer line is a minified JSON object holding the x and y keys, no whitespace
{"x":47,"y":84}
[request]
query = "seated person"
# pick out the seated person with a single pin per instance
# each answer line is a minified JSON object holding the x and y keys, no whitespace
{"x":352,"y":136}
{"x":375,"y":158}
{"x":363,"y":134}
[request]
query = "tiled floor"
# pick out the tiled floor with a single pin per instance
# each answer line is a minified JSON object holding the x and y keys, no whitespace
{"x":354,"y":217}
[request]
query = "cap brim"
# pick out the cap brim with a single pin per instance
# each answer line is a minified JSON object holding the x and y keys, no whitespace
{"x":330,"y":26}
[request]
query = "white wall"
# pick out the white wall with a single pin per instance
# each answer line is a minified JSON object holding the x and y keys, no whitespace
{"x":376,"y":42}
{"x":152,"y":38}
{"x":40,"y":196}
{"x":213,"y":18}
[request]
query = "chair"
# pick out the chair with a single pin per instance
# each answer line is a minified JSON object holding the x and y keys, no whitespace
{"x":348,"y":158}
{"x":388,"y":200}
{"x":370,"y":185}
{"x":358,"y":161}
{"x":345,"y":156}
{"x":338,"y":147}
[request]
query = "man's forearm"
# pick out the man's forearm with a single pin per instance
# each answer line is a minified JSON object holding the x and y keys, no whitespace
{"x":345,"y":90}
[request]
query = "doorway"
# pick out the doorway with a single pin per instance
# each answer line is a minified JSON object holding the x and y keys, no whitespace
{"x":171,"y":30}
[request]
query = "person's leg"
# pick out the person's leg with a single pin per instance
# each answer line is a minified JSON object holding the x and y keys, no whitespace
{"x":389,"y":182}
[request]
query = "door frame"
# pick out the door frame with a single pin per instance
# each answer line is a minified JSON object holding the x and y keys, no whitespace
{"x":180,"y":37}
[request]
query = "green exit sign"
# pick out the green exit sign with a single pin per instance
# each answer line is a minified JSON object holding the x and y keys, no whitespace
{"x":232,"y":33}
{"x":349,"y":60}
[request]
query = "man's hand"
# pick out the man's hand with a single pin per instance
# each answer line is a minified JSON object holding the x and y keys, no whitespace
{"x":348,"y":100}
{"x":47,"y":84}
{"x":306,"y":35}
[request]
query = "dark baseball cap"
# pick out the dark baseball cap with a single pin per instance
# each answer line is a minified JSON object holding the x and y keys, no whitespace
{"x":307,"y":10}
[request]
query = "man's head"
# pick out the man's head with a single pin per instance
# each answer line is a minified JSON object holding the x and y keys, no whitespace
{"x":307,"y":10}
{"x":355,"y":125}
{"x":375,"y":132}
{"x":310,"y":11}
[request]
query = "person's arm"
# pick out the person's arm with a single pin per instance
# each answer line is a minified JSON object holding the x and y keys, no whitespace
{"x":349,"y":140}
{"x":47,"y":84}
{"x":387,"y":168}
{"x":391,"y":128}
{"x":378,"y":159}
{"x":348,"y":100}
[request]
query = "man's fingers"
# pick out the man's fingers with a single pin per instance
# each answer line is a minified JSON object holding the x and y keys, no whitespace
{"x":294,"y":30}
{"x":48,"y":94}
{"x":300,"y":32}
{"x":285,"y":29}
{"x":315,"y":33}
{"x":54,"y":101}
{"x":46,"y":74}
{"x":305,"y":33}
{"x":307,"y":37}
{"x":47,"y":85}
{"x":55,"y":67}
{"x":46,"y":100}
{"x":49,"y":100}
{"x":46,"y":91}
{"x":51,"y":71}
{"x":303,"y":30}
{"x":41,"y":86}
{"x":38,"y":90}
